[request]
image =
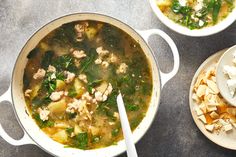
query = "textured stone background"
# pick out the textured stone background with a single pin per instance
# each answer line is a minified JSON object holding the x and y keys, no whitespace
{"x":173,"y":132}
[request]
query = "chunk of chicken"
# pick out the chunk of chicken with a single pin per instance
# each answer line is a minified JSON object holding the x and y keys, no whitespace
{"x":39,"y":74}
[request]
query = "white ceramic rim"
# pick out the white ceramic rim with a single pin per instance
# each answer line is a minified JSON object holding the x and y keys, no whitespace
{"x":206,"y":31}
{"x":223,"y":139}
{"x":56,"y":149}
{"x":221,"y":78}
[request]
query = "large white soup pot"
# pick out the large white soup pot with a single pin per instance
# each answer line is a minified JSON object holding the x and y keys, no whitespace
{"x":33,"y":134}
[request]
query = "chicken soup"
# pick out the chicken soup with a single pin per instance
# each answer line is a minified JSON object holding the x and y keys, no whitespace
{"x":196,"y":14}
{"x":73,"y":77}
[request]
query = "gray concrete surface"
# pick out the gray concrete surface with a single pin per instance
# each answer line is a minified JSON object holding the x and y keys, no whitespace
{"x":173,"y":132}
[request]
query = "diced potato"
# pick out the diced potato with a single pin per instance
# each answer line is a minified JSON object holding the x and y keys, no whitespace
{"x":99,"y":26}
{"x":77,"y":130}
{"x":91,"y":32}
{"x":94,"y":130}
{"x":60,"y":85}
{"x":35,"y":90}
{"x":57,"y":107}
{"x":62,"y":125}
{"x":44,"y":46}
{"x":61,"y":136}
{"x":79,"y":88}
{"x":50,"y":130}
{"x":102,"y":87}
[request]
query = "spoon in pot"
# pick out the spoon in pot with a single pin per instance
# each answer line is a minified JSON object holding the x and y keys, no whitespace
{"x":131,"y":150}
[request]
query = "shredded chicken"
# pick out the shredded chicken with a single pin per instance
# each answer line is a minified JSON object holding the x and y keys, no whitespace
{"x":101,"y":52}
{"x":27,"y":92}
{"x":79,"y":54}
{"x":122,"y":68}
{"x":80,"y":29}
{"x":105,"y":64}
{"x":39,"y":74}
{"x":55,"y":96}
{"x":98,"y":61}
{"x":83,"y":78}
{"x":43,"y":113}
{"x":70,"y":77}
{"x":112,"y":58}
{"x":99,"y":96}
{"x":51,"y":69}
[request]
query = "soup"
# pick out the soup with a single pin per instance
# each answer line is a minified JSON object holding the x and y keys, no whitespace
{"x":196,"y":14}
{"x":73,"y":77}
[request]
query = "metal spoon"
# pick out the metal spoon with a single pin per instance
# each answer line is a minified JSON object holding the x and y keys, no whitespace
{"x":131,"y":150}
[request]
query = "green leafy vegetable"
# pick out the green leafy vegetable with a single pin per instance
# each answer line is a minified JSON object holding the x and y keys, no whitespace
{"x":49,"y":84}
{"x":60,"y":76}
{"x":65,"y":35}
{"x":96,"y":139}
{"x":216,"y":10}
{"x":81,"y":140}
{"x":65,"y":63}
{"x":146,"y":88}
{"x":47,"y":59}
{"x":111,"y":101}
{"x":93,"y":84}
{"x":177,"y":8}
{"x":132,"y":107}
{"x":85,"y":63}
{"x":38,"y":102}
{"x":69,"y":130}
{"x":42,"y":124}
{"x":111,"y":37}
{"x":115,"y":132}
{"x":71,"y":115}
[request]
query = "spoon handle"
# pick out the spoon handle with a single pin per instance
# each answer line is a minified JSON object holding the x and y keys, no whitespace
{"x":131,"y":150}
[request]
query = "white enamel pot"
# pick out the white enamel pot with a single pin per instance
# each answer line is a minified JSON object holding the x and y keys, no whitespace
{"x":32,"y":133}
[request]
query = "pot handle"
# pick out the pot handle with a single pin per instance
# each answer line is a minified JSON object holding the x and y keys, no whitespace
{"x":165,"y":77}
{"x":25,"y":139}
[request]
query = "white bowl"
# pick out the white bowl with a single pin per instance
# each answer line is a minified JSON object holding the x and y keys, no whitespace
{"x":221,"y":77}
{"x":197,"y":32}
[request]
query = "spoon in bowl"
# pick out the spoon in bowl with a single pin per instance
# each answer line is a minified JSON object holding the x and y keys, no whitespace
{"x":131,"y":150}
{"x":226,"y":75}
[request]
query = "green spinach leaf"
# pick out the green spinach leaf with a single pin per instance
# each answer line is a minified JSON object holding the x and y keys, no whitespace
{"x":42,"y":124}
{"x":47,"y":59}
{"x":81,"y":140}
{"x":132,"y":107}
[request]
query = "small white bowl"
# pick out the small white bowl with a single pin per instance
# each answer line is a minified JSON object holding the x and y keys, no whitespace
{"x":221,"y":78}
{"x":197,"y":32}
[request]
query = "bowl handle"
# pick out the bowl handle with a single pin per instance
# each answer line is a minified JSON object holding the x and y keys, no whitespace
{"x":25,"y":139}
{"x":165,"y":77}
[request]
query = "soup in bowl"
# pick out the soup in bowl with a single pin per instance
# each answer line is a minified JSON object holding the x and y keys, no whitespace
{"x":195,"y":17}
{"x":66,"y":79}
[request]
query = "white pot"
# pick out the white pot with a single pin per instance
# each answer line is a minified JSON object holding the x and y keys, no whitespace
{"x":197,"y":32}
{"x":33,"y":134}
